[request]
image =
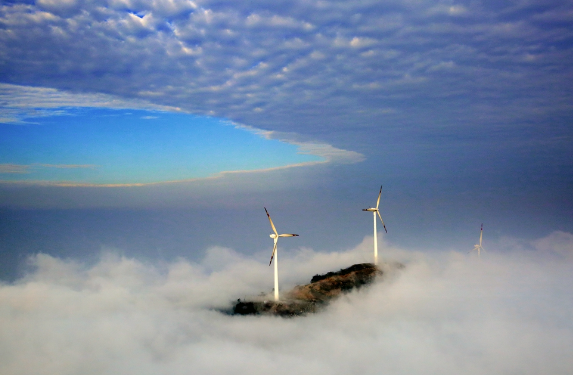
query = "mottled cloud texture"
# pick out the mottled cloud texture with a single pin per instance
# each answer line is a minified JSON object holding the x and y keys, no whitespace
{"x":21,"y":102}
{"x":445,"y":313}
{"x":304,"y":66}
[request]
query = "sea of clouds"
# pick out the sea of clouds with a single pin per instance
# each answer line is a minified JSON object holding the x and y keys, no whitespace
{"x":446,"y":312}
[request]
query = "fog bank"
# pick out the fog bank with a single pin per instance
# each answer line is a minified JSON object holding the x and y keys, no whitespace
{"x":445,"y":313}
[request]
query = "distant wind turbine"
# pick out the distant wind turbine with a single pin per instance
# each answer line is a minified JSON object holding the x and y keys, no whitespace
{"x":479,"y":247}
{"x":374,"y":212}
{"x":275,"y":236}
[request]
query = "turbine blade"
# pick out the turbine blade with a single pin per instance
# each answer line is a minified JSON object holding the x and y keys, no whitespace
{"x":288,"y":235}
{"x":378,"y":212}
{"x":476,"y":247}
{"x":273,"y":255}
{"x":379,"y":194}
{"x":271,"y":221}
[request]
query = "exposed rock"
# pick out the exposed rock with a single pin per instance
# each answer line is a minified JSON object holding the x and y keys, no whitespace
{"x":282,"y":308}
{"x":312,"y":297}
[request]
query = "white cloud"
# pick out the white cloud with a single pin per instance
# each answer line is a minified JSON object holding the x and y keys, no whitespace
{"x":19,"y":102}
{"x":358,"y":42}
{"x":446,"y":313}
{"x":277,"y":21}
{"x":452,"y":10}
{"x":330,"y":153}
{"x":14,"y":168}
{"x":558,"y":242}
{"x":443,"y":65}
{"x":456,"y":10}
{"x":27,"y":168}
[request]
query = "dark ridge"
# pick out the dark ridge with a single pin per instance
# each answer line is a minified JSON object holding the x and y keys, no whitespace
{"x":313,"y":297}
{"x":281,"y":308}
{"x":356,"y":267}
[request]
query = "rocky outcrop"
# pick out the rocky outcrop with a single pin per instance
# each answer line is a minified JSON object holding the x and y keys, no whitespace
{"x":325,"y":287}
{"x":312,"y":297}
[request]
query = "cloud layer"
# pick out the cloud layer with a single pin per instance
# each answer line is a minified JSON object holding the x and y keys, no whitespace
{"x":444,"y":314}
{"x":291,"y":64}
{"x":21,"y":102}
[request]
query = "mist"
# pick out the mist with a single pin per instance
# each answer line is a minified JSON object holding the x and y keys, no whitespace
{"x":446,"y":312}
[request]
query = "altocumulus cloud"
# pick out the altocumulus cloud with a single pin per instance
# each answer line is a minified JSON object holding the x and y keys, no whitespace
{"x":327,"y":64}
{"x":446,"y":313}
{"x":21,"y":102}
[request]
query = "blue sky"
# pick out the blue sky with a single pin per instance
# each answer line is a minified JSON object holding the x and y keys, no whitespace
{"x":114,"y":147}
{"x":462,"y":109}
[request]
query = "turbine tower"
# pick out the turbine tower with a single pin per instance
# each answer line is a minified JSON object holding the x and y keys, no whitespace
{"x":374,"y":212}
{"x":479,"y":247}
{"x":275,"y":236}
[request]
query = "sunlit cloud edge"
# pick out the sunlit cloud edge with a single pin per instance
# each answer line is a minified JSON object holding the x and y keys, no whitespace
{"x":215,"y":176}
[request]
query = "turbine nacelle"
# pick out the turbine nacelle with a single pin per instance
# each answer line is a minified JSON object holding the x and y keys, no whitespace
{"x":479,"y":247}
{"x":273,"y":236}
{"x":376,"y":211}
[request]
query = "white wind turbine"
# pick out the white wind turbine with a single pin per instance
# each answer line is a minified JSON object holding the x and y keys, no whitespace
{"x":479,"y":247}
{"x":374,"y":212}
{"x":275,"y":236}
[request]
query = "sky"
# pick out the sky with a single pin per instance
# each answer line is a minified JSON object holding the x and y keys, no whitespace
{"x":122,"y":147}
{"x":145,"y":134}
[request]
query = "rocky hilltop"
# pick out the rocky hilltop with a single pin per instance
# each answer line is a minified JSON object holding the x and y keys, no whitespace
{"x":314,"y":296}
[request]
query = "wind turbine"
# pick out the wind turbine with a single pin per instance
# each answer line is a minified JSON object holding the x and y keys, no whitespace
{"x":479,"y":247}
{"x":275,"y":236}
{"x":374,"y":212}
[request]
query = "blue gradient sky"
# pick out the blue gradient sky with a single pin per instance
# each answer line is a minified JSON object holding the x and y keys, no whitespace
{"x":113,"y":146}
